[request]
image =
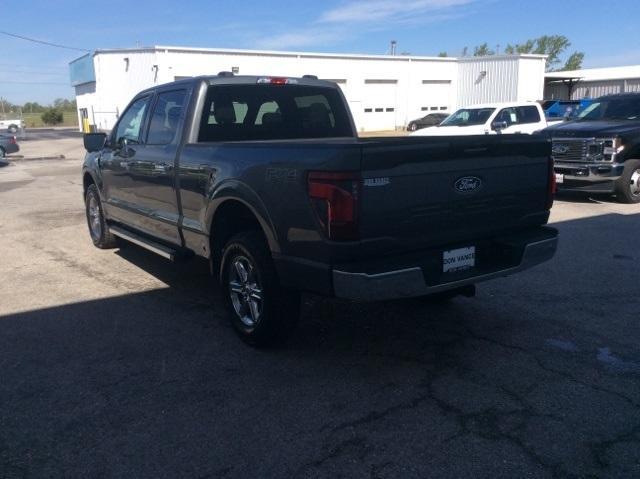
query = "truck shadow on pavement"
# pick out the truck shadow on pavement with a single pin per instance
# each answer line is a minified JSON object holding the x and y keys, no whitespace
{"x":534,"y":377}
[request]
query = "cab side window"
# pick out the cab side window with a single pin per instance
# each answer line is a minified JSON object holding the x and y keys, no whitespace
{"x":165,"y":117}
{"x":130,"y":124}
{"x":507,"y":115}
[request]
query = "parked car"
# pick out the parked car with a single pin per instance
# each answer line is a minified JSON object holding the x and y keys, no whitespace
{"x":431,"y":119}
{"x":267,"y":179}
{"x":490,"y":119}
{"x":8,"y":145}
{"x":11,"y":125}
{"x":565,"y":109}
{"x":599,"y":152}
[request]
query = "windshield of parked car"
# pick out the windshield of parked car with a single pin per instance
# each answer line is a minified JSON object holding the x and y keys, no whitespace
{"x":548,"y":103}
{"x":468,"y":117}
{"x":612,"y":109}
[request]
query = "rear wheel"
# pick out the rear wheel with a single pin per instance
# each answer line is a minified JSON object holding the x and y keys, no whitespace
{"x":13,"y":128}
{"x":261,"y":311}
{"x":628,"y":186}
{"x":98,"y":228}
{"x":413,"y":127}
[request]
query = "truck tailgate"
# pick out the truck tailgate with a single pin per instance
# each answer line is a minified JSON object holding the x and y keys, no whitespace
{"x":440,"y":191}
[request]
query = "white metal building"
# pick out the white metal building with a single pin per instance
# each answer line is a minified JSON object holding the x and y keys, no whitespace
{"x":592,"y":82}
{"x":384,"y":92}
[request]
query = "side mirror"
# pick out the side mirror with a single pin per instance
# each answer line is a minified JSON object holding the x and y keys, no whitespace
{"x":94,"y":141}
{"x":499,"y":125}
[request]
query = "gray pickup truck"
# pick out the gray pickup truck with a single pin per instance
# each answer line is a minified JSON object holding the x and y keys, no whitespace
{"x":267,"y":179}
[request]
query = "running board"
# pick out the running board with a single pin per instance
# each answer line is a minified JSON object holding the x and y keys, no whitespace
{"x":152,"y":246}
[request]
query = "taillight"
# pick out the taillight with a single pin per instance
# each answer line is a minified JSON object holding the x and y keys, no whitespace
{"x":277,"y":81}
{"x":551,"y":187}
{"x":334,"y":197}
{"x":12,"y":140}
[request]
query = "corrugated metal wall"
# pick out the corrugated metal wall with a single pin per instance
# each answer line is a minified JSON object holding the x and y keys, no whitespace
{"x":633,"y":85}
{"x":487,"y":80}
{"x":591,"y":89}
{"x":597,"y":88}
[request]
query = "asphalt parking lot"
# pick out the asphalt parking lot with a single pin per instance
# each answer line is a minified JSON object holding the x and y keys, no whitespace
{"x":120,"y":364}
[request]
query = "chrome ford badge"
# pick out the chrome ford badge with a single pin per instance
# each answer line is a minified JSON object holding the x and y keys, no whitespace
{"x":559,"y":149}
{"x":468,"y":184}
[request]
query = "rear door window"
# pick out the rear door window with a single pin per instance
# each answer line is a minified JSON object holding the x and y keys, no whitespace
{"x":519,"y":115}
{"x":272,"y":112}
{"x":166,"y":117}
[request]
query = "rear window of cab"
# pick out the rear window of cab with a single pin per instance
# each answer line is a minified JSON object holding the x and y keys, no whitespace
{"x":272,"y":112}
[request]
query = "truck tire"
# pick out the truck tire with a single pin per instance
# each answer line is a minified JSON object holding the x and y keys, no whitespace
{"x":261,"y":311}
{"x":13,"y":128}
{"x":628,"y":186}
{"x":98,"y":228}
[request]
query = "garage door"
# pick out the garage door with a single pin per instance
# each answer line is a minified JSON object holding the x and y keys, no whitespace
{"x":380,"y":104}
{"x":433,"y":96}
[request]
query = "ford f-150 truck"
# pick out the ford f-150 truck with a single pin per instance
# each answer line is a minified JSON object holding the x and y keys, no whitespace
{"x":599,"y":152}
{"x":267,"y":179}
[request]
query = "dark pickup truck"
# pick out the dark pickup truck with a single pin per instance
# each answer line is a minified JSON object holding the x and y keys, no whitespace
{"x":599,"y":152}
{"x":266,"y":177}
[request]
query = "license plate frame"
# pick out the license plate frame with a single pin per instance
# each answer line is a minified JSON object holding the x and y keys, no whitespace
{"x":459,"y":259}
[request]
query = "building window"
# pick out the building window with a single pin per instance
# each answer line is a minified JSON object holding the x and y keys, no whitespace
{"x":390,"y":109}
{"x":378,"y":110}
{"x":443,"y":108}
{"x":380,"y":82}
{"x":424,"y":108}
{"x":433,"y":108}
{"x":368,"y":110}
{"x":436,"y":82}
{"x":340,"y":81}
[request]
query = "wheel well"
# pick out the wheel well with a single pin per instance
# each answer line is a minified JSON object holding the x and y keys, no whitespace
{"x":231,"y":217}
{"x":87,"y":181}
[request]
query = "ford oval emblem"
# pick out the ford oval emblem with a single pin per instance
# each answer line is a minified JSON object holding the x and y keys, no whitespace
{"x":468,"y":184}
{"x":559,"y":149}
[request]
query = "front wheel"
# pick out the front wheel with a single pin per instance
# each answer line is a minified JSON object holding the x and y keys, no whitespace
{"x":98,"y":229}
{"x":261,"y":311}
{"x":413,"y":127}
{"x":13,"y":128}
{"x":628,"y":186}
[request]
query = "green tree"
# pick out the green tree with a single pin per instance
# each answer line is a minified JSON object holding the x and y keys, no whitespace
{"x":551,"y":45}
{"x":574,"y":62}
{"x":483,"y":50}
{"x":52,"y":116}
{"x":443,"y":54}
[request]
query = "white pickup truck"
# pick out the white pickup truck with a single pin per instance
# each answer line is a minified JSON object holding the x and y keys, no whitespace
{"x":12,"y":125}
{"x":491,"y":119}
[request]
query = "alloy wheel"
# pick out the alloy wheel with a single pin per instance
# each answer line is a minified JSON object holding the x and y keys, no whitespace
{"x":245,"y":291}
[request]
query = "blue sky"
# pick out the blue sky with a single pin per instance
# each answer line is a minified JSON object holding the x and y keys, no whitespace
{"x":608,"y":32}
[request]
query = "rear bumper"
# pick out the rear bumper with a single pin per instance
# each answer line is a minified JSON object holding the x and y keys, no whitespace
{"x":597,"y":178}
{"x":512,"y":254}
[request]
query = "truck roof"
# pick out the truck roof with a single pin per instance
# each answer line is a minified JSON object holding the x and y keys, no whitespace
{"x":503,"y":104}
{"x":228,"y":78}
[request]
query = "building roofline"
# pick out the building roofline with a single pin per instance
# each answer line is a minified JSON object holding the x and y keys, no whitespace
{"x":347,"y":56}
